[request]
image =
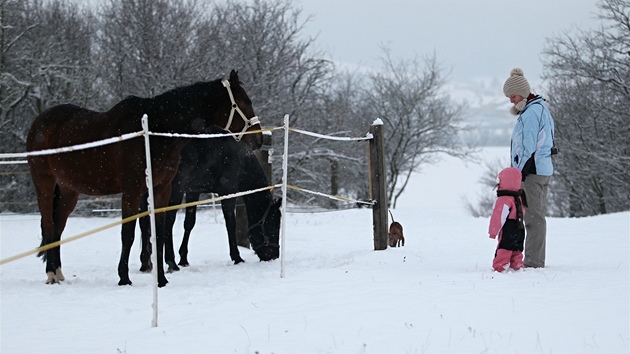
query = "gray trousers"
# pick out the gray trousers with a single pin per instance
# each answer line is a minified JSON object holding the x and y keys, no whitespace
{"x":536,"y":188}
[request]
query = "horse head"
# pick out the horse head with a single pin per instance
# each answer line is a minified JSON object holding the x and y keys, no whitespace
{"x":264,"y":236}
{"x":241,"y":118}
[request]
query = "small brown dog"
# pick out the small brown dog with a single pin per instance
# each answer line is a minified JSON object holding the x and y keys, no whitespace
{"x":396,"y":237}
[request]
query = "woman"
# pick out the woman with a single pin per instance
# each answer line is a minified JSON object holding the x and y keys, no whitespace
{"x":531,"y":150}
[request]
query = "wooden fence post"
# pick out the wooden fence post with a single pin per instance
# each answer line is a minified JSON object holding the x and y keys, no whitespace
{"x":241,"y":212}
{"x":378,"y":178}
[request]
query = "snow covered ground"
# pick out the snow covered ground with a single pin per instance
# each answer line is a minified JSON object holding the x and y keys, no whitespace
{"x":438,"y":294}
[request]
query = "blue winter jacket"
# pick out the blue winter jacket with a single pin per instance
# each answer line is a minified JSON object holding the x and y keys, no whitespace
{"x":532,"y":139}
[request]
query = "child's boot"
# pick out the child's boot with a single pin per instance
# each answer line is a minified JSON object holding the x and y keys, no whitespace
{"x":516,"y":261}
{"x":501,"y":260}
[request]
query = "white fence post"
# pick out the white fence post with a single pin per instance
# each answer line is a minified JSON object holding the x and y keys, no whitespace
{"x":151,"y":209}
{"x":285,"y":160}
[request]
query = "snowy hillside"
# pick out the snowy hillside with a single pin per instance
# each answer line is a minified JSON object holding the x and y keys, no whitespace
{"x":486,"y":119}
{"x":485,"y":116}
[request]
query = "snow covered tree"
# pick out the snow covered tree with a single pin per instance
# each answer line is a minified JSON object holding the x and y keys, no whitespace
{"x":145,"y":47}
{"x":283,"y":72}
{"x":44,"y":58}
{"x":421,"y":121}
{"x":14,"y":85}
{"x":45,"y":52}
{"x":334,"y":167}
{"x":590,"y":99}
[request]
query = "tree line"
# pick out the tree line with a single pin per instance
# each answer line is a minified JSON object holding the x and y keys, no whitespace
{"x":54,"y":52}
{"x":589,"y":94}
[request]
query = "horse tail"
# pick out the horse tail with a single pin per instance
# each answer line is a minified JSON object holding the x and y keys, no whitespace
{"x":54,"y":212}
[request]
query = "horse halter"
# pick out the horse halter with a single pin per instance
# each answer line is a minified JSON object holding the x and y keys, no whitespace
{"x":248,"y":122}
{"x":261,"y":224}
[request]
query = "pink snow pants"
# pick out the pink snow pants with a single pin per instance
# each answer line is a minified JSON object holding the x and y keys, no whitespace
{"x":505,"y":259}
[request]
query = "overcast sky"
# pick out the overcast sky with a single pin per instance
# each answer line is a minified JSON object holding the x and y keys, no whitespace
{"x":482,"y":38}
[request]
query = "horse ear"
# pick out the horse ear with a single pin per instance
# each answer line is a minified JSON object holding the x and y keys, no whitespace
{"x":278,"y":203}
{"x":234,"y":77}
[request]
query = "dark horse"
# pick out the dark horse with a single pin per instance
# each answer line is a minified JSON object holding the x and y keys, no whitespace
{"x":222,"y":166}
{"x":120,"y":167}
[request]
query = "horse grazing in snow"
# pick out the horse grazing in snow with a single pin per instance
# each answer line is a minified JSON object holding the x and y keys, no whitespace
{"x":222,"y":166}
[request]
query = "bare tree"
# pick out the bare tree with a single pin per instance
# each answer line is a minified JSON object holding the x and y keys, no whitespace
{"x":336,"y":167}
{"x":14,"y":86}
{"x":284,"y":73}
{"x":14,"y":92}
{"x":145,"y":47}
{"x":420,"y":120}
{"x":590,"y":99}
{"x":45,"y":52}
{"x":45,"y":55}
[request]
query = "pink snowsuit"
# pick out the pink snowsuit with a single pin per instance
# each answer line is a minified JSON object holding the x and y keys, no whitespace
{"x":506,"y":223}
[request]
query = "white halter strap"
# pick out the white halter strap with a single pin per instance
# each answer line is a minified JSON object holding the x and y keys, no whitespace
{"x":248,"y":121}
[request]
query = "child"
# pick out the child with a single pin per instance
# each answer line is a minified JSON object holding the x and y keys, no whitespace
{"x":506,"y":221}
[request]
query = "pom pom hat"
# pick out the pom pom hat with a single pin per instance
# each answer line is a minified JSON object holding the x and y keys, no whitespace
{"x":516,"y":84}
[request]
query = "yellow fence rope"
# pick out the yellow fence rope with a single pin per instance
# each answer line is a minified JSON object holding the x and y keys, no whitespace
{"x":334,"y":197}
{"x":73,"y":238}
{"x":126,"y":220}
{"x":165,"y":209}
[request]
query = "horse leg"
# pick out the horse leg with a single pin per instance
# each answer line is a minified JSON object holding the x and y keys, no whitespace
{"x":228,"y":206}
{"x":65,"y":201}
{"x":162,"y":194}
{"x":47,"y":194}
{"x":169,"y":252}
{"x":189,"y":224}
{"x":176,"y":197}
{"x":145,"y":230}
{"x":130,"y":206}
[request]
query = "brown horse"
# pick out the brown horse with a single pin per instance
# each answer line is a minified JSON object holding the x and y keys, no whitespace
{"x":120,"y":167}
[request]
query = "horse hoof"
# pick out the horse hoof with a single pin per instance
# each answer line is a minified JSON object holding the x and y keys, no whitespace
{"x":146,"y":268}
{"x":239,"y":260}
{"x":53,"y":278}
{"x":172,"y":267}
{"x":124,"y":282}
{"x":183,"y":263}
{"x":162,"y":283}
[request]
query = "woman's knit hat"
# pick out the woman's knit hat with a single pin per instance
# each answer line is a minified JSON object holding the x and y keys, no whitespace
{"x":516,"y":84}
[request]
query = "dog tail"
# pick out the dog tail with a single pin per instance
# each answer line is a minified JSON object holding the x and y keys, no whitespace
{"x":392,"y":215}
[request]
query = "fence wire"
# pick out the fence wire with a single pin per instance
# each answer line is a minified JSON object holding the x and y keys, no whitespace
{"x":173,"y":207}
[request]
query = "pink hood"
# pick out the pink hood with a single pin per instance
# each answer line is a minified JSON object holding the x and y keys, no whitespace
{"x":510,"y":179}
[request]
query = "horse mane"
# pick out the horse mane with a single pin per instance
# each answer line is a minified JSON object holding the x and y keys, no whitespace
{"x":187,"y":89}
{"x":177,"y":102}
{"x":130,"y":105}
